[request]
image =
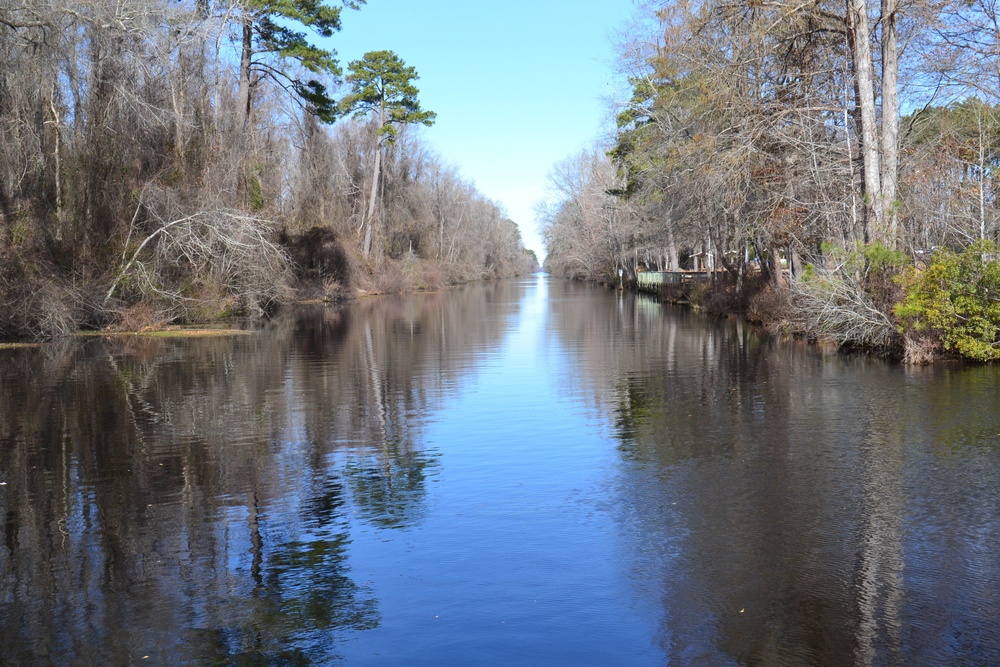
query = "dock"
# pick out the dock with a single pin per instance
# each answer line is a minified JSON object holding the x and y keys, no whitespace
{"x":671,"y":285}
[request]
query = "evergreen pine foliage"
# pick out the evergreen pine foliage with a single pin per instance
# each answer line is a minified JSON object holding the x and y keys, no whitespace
{"x":382,"y":86}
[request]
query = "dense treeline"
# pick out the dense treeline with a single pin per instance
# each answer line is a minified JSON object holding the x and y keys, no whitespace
{"x":807,"y":152}
{"x":164,"y":160}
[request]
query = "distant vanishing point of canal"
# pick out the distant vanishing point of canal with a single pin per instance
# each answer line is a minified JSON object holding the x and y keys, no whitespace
{"x":530,"y":472}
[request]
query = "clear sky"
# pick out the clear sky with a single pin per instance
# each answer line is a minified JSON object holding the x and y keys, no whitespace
{"x":517,"y":85}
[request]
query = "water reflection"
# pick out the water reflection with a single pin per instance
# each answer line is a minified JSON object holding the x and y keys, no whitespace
{"x":189,"y":501}
{"x":790,"y":507}
{"x":519,"y":471}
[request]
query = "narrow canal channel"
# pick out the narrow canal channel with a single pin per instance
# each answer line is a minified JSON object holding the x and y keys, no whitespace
{"x":530,"y":472}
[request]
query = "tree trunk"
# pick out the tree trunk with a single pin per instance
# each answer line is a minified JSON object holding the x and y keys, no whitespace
{"x":673,"y":260}
{"x":370,"y":215}
{"x":779,"y":274}
{"x":794,"y":263}
{"x":982,"y":175}
{"x":890,"y":119}
{"x":376,"y":172}
{"x":440,"y":217}
{"x":857,"y":21}
{"x":177,"y":101}
{"x":57,"y":154}
{"x":243,"y":99}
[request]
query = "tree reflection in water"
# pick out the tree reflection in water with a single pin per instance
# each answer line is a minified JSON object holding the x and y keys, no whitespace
{"x":189,"y":501}
{"x":696,"y":493}
{"x":788,"y":506}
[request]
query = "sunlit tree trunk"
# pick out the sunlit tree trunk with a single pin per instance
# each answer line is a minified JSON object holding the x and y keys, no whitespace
{"x":373,"y":195}
{"x":857,"y":19}
{"x":879,"y":140}
{"x":981,"y":150}
{"x":57,"y":155}
{"x":890,"y":119}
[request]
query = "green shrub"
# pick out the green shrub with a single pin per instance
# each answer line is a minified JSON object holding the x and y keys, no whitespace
{"x":957,"y":298}
{"x":873,"y":258}
{"x":880,"y":257}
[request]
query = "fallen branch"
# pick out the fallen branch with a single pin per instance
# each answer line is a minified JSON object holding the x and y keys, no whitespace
{"x":222,"y":247}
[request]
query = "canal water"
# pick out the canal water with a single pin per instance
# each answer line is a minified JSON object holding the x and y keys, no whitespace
{"x":525,"y":472}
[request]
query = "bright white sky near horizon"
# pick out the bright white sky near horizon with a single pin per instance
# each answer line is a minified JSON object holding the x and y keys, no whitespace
{"x":517,"y":85}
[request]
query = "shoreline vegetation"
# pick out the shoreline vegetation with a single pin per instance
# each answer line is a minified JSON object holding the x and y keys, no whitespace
{"x":167,"y":163}
{"x":834,"y":166}
{"x":947,"y":309}
{"x":169,"y":332}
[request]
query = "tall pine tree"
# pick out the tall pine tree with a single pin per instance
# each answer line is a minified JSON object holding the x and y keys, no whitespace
{"x":382,"y":88}
{"x":270,"y":44}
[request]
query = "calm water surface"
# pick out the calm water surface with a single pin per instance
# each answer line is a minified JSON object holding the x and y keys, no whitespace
{"x":530,"y":472}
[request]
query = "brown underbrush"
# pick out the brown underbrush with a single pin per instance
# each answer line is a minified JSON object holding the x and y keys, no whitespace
{"x":920,"y":350}
{"x":769,"y":307}
{"x":37,"y":303}
{"x":141,"y":316}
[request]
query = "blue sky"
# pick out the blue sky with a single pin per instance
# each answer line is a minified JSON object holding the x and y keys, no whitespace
{"x":517,"y":85}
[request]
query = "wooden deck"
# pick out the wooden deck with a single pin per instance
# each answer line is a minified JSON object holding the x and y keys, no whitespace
{"x":671,"y":285}
{"x":653,"y":279}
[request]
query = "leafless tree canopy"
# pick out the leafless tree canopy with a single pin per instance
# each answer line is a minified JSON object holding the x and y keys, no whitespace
{"x":141,"y":164}
{"x":762,"y":136}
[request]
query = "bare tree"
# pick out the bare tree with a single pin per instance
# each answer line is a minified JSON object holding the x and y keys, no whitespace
{"x":197,"y":259}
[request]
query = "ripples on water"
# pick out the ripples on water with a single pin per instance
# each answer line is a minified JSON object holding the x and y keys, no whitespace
{"x":529,"y":472}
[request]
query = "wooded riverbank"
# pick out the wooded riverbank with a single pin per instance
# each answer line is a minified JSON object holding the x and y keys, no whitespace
{"x":190,"y":161}
{"x":767,"y":142}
